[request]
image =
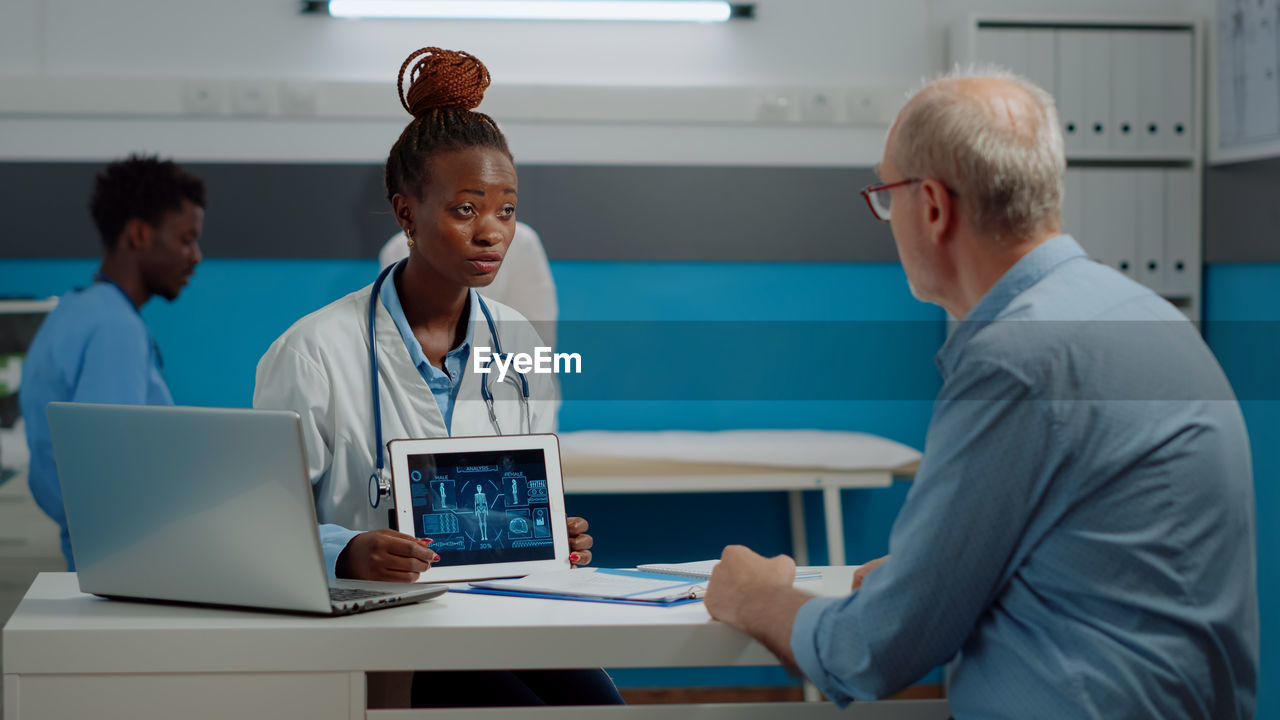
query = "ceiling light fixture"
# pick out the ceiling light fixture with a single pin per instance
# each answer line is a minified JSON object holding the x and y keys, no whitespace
{"x":615,"y":10}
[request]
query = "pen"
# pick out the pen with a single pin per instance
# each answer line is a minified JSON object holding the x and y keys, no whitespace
{"x":694,"y":593}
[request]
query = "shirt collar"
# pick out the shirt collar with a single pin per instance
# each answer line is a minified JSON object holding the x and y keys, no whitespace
{"x":155,"y":346}
{"x":101,"y":278}
{"x":1026,"y":272}
{"x":391,"y":301}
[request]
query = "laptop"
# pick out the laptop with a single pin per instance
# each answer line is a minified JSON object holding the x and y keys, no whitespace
{"x":200,"y":505}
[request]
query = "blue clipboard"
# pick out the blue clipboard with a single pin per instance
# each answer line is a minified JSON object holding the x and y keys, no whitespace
{"x":676,"y":580}
{"x":578,"y":598}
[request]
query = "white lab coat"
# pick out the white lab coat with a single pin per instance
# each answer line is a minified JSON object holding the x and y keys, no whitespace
{"x":320,"y":368}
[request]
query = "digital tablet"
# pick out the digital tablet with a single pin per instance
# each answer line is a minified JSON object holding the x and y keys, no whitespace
{"x":493,"y":505}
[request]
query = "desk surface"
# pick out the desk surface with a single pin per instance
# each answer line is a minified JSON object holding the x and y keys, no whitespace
{"x":57,"y":629}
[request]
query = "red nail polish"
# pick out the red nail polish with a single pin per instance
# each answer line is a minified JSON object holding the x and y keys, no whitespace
{"x":574,"y":557}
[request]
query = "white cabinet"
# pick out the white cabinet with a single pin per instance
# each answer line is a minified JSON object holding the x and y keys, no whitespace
{"x":28,"y":545}
{"x":1128,"y":97}
{"x":1035,"y":51}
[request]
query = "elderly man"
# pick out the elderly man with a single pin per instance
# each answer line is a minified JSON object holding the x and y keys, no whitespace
{"x":1079,"y":540}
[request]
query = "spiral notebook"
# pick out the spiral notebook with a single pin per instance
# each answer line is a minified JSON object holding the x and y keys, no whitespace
{"x":702,"y":569}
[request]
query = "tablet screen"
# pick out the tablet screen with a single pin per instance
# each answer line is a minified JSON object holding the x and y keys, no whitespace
{"x":482,"y":507}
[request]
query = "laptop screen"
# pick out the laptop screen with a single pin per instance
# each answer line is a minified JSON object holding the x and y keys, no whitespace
{"x":482,"y":507}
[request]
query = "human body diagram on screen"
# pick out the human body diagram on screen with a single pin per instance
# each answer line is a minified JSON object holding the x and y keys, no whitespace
{"x":483,"y":507}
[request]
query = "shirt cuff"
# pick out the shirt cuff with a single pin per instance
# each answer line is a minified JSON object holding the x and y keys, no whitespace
{"x":804,"y":645}
{"x":333,"y":540}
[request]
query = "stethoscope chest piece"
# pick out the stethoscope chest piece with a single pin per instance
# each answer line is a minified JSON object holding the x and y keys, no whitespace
{"x":379,"y":487}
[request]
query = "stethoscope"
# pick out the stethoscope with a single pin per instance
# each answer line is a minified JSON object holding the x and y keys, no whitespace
{"x":380,"y":487}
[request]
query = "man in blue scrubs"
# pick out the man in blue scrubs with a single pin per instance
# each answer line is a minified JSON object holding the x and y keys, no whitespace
{"x":1079,"y":541}
{"x":94,"y":346}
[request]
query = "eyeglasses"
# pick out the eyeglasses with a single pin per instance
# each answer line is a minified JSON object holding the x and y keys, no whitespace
{"x":878,"y":196}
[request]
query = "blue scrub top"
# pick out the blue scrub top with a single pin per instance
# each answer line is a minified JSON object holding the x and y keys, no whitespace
{"x":93,"y":347}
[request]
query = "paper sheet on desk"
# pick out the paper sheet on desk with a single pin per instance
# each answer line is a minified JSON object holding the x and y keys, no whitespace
{"x":774,"y":448}
{"x":602,"y":583}
{"x":702,"y":569}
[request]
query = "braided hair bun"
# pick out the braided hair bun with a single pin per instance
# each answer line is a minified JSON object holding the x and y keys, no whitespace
{"x":442,"y":79}
{"x":444,"y":87}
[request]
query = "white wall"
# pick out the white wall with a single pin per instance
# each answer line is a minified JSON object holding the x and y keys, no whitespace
{"x":142,"y":55}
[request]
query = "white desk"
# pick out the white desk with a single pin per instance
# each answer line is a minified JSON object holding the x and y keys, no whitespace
{"x":626,"y":476}
{"x":69,"y":655}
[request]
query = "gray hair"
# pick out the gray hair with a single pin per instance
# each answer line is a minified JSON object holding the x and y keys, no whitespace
{"x":1006,"y":174}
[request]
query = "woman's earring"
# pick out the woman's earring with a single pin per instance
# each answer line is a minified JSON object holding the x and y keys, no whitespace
{"x":410,"y":240}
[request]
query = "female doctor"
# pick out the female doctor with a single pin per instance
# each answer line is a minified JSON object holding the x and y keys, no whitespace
{"x":452,"y":186}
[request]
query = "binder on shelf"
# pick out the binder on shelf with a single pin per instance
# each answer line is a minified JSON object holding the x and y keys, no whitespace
{"x":1125,"y":87}
{"x":1179,"y":90}
{"x":1115,"y":210}
{"x":1089,"y":231}
{"x":1071,"y":89}
{"x":1095,"y":64}
{"x":1152,"y":123}
{"x":1101,"y":235}
{"x":1149,"y":212}
{"x":1182,"y":240}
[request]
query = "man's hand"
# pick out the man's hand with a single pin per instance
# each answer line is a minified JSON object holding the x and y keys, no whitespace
{"x":579,"y":541}
{"x":755,"y":595}
{"x":739,"y":576}
{"x":385,"y":555}
{"x":861,"y":573}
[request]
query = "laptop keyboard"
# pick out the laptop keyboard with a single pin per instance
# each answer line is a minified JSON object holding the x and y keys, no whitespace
{"x":341,"y":595}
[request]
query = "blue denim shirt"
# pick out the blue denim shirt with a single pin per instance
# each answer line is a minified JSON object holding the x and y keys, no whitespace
{"x":1079,"y":540}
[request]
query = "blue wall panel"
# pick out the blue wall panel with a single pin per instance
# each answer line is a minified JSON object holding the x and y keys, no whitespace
{"x":1242,"y":325}
{"x":213,"y":335}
